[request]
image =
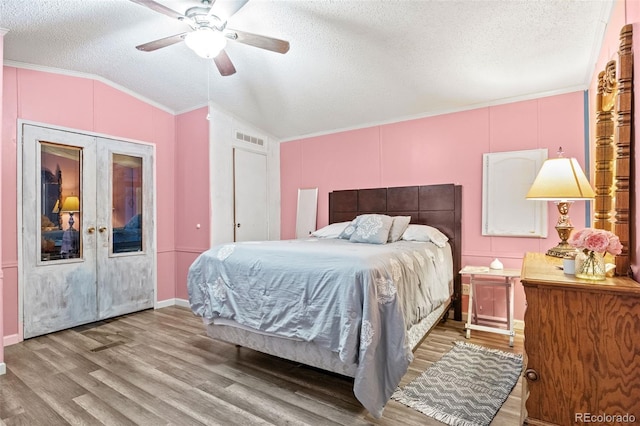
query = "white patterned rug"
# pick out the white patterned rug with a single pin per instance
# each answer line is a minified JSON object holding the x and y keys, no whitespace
{"x":466,"y":387}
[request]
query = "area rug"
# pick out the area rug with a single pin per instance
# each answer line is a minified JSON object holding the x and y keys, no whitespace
{"x":466,"y":387}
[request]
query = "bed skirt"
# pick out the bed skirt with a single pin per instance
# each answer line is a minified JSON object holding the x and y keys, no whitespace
{"x":307,"y":352}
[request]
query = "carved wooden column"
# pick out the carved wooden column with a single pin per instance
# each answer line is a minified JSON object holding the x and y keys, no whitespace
{"x":604,"y":151}
{"x":624,"y":134}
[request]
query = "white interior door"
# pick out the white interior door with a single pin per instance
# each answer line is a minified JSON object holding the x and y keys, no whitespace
{"x":126,"y":245}
{"x":59,"y":259}
{"x":88,"y":249}
{"x":250,"y":195}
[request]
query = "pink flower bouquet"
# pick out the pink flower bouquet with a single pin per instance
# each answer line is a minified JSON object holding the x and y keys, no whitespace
{"x":596,"y":240}
{"x":593,"y":243}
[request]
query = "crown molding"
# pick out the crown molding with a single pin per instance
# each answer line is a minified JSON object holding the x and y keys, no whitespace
{"x":497,"y":102}
{"x":52,"y":70}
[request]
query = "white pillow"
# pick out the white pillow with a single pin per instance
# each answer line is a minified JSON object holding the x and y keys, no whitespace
{"x":331,"y":230}
{"x":425,"y":233}
{"x":398,"y":227}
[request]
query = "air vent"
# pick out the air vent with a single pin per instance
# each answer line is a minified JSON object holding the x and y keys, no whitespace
{"x":248,"y":138}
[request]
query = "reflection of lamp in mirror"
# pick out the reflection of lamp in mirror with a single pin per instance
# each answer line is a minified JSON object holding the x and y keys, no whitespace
{"x":71,"y":205}
{"x":563,"y":181}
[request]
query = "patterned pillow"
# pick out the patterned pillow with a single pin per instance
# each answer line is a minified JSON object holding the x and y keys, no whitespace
{"x":348,"y":231}
{"x":398,"y":227}
{"x":372,"y":229}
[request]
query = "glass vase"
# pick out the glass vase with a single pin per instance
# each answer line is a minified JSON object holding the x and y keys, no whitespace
{"x":590,"y":265}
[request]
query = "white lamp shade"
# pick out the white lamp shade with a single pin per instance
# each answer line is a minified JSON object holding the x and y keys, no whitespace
{"x":206,"y":42}
{"x":561,"y":179}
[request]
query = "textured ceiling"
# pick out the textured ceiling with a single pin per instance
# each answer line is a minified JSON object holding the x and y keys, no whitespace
{"x":351,"y":63}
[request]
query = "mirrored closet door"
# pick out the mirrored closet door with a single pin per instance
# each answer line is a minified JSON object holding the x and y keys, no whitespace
{"x":88,"y":249}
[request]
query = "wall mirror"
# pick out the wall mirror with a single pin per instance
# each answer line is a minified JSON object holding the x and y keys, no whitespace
{"x":307,"y":212}
{"x":613,"y":146}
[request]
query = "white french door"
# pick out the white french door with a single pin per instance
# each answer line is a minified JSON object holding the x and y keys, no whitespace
{"x":88,"y":249}
{"x":126,"y":248}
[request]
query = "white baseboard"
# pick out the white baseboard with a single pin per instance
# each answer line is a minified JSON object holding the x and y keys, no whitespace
{"x":11,"y":339}
{"x":3,"y":368}
{"x":164,"y":303}
{"x":172,"y":302}
{"x":183,"y":303}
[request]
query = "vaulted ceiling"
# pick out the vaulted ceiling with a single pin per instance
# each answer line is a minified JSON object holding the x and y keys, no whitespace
{"x":351,"y":63}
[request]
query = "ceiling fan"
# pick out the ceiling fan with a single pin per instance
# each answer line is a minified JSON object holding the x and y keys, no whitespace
{"x":209,"y":33}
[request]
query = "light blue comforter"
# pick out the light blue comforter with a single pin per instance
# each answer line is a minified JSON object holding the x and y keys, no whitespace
{"x":355,"y":299}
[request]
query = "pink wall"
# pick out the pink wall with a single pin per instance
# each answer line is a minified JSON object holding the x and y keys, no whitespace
{"x":1,"y":271}
{"x":441,"y":149}
{"x":88,"y":105}
{"x":192,"y":193}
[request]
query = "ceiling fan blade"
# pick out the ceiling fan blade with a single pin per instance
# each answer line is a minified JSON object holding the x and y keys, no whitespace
{"x":224,"y":64}
{"x":160,"y":43}
{"x":263,"y":42}
{"x":159,"y":8}
{"x":224,"y":9}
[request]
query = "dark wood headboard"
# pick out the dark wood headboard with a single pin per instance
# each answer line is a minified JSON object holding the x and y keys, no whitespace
{"x":439,"y":206}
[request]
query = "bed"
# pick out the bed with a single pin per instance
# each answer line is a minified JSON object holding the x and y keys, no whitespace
{"x":354,"y":309}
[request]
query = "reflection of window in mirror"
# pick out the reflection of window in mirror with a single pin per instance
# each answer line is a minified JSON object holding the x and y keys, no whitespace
{"x":50,"y":198}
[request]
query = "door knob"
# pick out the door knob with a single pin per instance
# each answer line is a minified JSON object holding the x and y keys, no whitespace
{"x":91,"y":229}
{"x":102,"y":228}
{"x":238,"y":225}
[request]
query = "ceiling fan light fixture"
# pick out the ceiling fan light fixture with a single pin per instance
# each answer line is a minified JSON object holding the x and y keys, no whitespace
{"x":206,"y":42}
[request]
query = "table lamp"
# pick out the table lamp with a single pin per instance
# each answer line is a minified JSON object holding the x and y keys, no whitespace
{"x":561,"y":180}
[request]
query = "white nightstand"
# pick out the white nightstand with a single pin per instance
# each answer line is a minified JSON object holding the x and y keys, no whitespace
{"x":491,"y":277}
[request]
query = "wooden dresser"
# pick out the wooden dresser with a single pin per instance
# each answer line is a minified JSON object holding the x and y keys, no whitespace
{"x":582,"y":344}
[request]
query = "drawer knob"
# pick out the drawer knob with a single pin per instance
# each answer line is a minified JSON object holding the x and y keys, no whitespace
{"x":531,"y":375}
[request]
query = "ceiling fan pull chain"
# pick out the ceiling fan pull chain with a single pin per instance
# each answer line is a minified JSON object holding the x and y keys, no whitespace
{"x":208,"y":90}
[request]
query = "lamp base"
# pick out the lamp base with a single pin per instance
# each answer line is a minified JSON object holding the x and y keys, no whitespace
{"x":563,"y":228}
{"x":561,"y":250}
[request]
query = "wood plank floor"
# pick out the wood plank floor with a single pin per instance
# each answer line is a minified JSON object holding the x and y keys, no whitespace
{"x":159,"y":368}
